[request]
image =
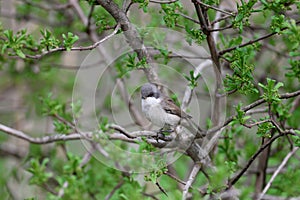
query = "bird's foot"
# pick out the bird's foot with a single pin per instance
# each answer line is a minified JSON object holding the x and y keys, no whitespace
{"x":162,"y":132}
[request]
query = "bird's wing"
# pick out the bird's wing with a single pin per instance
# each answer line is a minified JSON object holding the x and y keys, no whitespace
{"x":170,"y":107}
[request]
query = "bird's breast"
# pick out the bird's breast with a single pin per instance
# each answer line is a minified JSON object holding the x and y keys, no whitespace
{"x":156,"y":114}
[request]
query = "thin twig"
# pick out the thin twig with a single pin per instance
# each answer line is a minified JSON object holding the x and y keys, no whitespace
{"x":232,"y":181}
{"x":47,"y":8}
{"x":128,"y":7}
{"x":227,"y":93}
{"x":79,"y":11}
{"x":108,"y":196}
{"x":257,"y":111}
{"x":161,"y":188}
{"x":138,"y":118}
{"x":175,"y":178}
{"x":188,"y":91}
{"x":256,"y":123}
{"x":250,"y":42}
{"x":61,"y":192}
{"x":249,"y":107}
{"x":91,"y":47}
{"x":214,"y":8}
{"x":10,"y":149}
{"x":88,"y":26}
{"x":295,"y":104}
{"x":222,"y":18}
{"x":163,"y":2}
{"x":189,"y":18}
{"x":184,"y":183}
{"x":280,"y":167}
{"x":247,"y":43}
{"x":221,"y":29}
{"x":121,"y":130}
{"x":66,"y":122}
{"x":150,"y":195}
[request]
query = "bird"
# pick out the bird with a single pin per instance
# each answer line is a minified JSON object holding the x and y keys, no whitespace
{"x":162,"y":111}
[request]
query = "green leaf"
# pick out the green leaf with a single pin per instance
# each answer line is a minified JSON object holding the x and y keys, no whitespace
{"x":69,"y":40}
{"x":20,"y":53}
{"x":264,"y":129}
{"x":271,"y":94}
{"x":38,"y":171}
{"x":192,"y":79}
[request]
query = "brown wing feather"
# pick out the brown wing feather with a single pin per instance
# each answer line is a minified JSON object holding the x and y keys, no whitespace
{"x":170,"y":107}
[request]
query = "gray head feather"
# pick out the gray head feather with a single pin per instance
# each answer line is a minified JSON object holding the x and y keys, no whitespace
{"x":149,"y":90}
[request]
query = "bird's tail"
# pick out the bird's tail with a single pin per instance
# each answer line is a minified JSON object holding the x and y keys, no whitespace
{"x":192,"y":127}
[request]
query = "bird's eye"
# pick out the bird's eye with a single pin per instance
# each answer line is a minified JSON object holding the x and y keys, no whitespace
{"x":150,"y":94}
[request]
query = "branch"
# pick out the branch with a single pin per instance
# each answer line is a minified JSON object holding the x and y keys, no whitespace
{"x":175,"y":178}
{"x":221,"y":29}
{"x":250,"y":42}
{"x":48,"y":8}
{"x":121,"y":130}
{"x":256,"y":123}
{"x":191,"y":179}
{"x":150,"y":195}
{"x":247,"y":108}
{"x":161,"y":188}
{"x":121,"y":182}
{"x":79,"y":11}
{"x":257,"y":111}
{"x":88,"y":26}
{"x":221,"y":18}
{"x":188,"y":18}
{"x":138,"y":118}
{"x":214,"y":8}
{"x":188,"y":91}
{"x":45,"y":139}
{"x":246,"y":44}
{"x":132,"y":137}
{"x":232,"y":181}
{"x":203,"y":18}
{"x":91,"y":47}
{"x":201,"y":191}
{"x":295,"y":104}
{"x":10,"y":149}
{"x":132,"y":37}
{"x":135,"y":134}
{"x":61,"y":191}
{"x":163,"y":2}
{"x":283,"y":163}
